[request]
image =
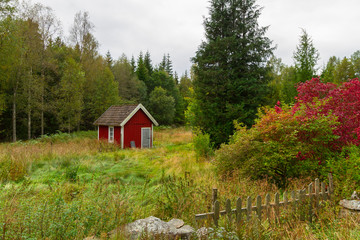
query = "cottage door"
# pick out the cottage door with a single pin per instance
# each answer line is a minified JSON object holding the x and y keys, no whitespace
{"x":145,"y":137}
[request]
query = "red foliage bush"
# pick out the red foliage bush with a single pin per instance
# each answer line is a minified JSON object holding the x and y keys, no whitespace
{"x":342,"y":101}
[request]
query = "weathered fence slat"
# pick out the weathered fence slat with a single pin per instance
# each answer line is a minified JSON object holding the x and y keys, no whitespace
{"x":216,"y":213}
{"x":214,"y":196}
{"x":323,"y":191}
{"x":248,"y":209}
{"x":267,"y":205}
{"x":285,"y":198}
{"x":301,"y":204}
{"x":258,"y":207}
{"x":310,"y":202}
{"x":293,"y":197}
{"x":238,"y":210}
{"x":228,"y":210}
{"x":331,"y":184}
{"x":277,"y":206}
{"x":317,"y":192}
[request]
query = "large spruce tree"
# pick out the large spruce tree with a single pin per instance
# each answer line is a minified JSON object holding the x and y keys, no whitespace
{"x":230,"y":68}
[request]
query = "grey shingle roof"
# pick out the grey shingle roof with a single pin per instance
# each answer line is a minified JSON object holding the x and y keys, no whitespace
{"x":115,"y":115}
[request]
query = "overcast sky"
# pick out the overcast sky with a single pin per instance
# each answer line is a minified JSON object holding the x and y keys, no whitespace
{"x":175,"y":26}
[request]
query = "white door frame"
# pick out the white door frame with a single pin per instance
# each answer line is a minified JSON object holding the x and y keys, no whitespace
{"x":149,"y":128}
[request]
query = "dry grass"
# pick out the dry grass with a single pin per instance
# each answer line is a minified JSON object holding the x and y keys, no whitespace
{"x":31,"y":152}
{"x":124,"y":200}
{"x":180,"y":135}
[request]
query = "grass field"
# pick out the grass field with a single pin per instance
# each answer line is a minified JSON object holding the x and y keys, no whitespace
{"x":71,"y":187}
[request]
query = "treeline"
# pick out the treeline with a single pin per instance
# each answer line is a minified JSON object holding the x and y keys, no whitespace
{"x":284,"y":79}
{"x":48,"y":83}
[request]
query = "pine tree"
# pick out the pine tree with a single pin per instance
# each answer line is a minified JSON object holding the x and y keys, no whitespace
{"x":168,"y":65}
{"x":141,"y":70}
{"x":306,"y":57}
{"x":109,"y":59}
{"x":329,"y":70}
{"x":147,"y":63}
{"x":133,"y":64}
{"x":230,"y":68}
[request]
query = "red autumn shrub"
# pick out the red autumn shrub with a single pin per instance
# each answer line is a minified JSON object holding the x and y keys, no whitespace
{"x":342,"y":101}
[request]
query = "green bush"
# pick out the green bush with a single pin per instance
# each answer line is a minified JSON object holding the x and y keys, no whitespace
{"x":202,"y":146}
{"x":346,"y":171}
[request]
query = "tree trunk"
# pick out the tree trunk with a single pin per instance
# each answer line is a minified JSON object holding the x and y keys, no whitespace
{"x":29,"y":123}
{"x":29,"y":105}
{"x":14,"y":117}
{"x":42,"y":115}
{"x":42,"y":103}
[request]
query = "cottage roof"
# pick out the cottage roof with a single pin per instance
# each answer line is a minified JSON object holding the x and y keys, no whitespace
{"x":120,"y":115}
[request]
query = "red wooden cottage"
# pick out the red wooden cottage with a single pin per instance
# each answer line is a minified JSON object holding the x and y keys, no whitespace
{"x":127,"y":125}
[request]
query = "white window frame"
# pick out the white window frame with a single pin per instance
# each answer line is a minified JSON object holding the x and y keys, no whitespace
{"x":142,"y":136}
{"x":111,"y":140}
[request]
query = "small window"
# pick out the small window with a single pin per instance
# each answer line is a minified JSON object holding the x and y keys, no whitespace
{"x":111,"y":134}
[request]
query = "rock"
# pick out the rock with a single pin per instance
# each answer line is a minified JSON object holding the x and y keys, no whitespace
{"x":177,"y":223}
{"x":151,"y":225}
{"x":174,"y":229}
{"x":92,"y":238}
{"x":350,"y":204}
{"x":349,"y":208}
{"x":202,"y":233}
{"x":355,"y":196}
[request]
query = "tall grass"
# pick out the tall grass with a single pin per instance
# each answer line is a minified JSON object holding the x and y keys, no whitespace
{"x":72,"y":187}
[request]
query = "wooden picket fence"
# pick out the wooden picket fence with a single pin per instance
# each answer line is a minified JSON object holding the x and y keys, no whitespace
{"x":306,"y":200}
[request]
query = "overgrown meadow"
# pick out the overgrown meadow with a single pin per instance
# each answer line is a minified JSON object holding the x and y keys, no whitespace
{"x":72,"y":186}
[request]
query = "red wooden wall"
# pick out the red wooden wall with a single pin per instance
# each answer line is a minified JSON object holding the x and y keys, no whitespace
{"x":117,"y":135}
{"x":104,"y":134}
{"x":132,"y":129}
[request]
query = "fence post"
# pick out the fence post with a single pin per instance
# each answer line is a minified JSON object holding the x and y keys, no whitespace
{"x":216,"y":213}
{"x":238,"y":211}
{"x":331,"y":185}
{"x":310,"y":202}
{"x":258,"y":207}
{"x":293,"y":197}
{"x":285,"y":198}
{"x":317,"y":191}
{"x":228,"y":211}
{"x":277,"y":204}
{"x":248,"y":209}
{"x":267,"y":204}
{"x":214,"y":196}
{"x":301,"y":204}
{"x":323,"y":191}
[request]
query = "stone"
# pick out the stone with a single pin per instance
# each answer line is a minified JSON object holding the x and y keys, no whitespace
{"x":355,"y":196}
{"x":92,"y":238}
{"x":152,"y":226}
{"x":350,"y":204}
{"x":177,"y":223}
{"x":202,"y":233}
{"x":174,"y":229}
{"x":349,"y":208}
